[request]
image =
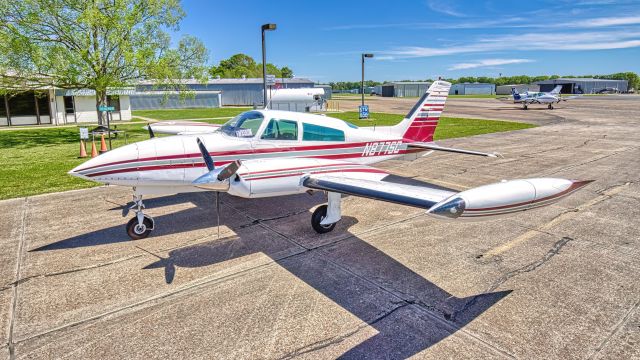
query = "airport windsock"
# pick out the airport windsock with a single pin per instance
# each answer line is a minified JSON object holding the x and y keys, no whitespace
{"x":83,"y":149}
{"x":103,"y":145}
{"x":94,"y":152}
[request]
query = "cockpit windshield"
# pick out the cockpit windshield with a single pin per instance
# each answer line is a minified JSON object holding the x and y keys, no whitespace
{"x":245,"y":125}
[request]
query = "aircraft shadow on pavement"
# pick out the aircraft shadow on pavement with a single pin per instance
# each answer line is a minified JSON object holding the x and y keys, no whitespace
{"x":405,"y":324}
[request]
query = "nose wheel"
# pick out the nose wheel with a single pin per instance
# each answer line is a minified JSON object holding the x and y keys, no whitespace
{"x":141,"y":225}
{"x":550,"y":106}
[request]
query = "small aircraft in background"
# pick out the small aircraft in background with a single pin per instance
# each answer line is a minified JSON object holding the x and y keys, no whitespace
{"x":528,"y":98}
{"x":269,"y":153}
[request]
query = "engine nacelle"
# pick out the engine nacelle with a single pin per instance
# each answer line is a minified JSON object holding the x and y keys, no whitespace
{"x":504,"y":198}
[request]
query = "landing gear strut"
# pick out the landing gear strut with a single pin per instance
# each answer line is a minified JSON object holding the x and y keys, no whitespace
{"x":325,"y":217}
{"x":140,"y":226}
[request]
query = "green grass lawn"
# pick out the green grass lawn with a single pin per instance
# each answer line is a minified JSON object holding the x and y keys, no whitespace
{"x":36,"y":161}
{"x":196,"y":113}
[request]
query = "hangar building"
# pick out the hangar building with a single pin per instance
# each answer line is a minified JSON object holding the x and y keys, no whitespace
{"x":213,"y":93}
{"x":506,"y":89}
{"x":472,"y":89}
{"x":584,"y":85}
{"x":417,"y":88}
{"x":405,"y":88}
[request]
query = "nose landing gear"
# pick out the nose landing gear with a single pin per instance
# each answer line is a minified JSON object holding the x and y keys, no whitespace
{"x":550,"y":106}
{"x":141,"y":225}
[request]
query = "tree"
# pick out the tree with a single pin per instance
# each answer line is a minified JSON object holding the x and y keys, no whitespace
{"x":286,"y":72}
{"x":240,"y":65}
{"x":96,"y":45}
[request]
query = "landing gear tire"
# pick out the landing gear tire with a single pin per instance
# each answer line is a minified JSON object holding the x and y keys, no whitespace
{"x":139,"y":231}
{"x":319,"y":214}
{"x":550,"y":107}
{"x":525,"y":107}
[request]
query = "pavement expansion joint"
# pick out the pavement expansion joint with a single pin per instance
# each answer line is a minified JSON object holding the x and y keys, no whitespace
{"x":592,"y":160}
{"x":14,"y":297}
{"x":616,"y":329}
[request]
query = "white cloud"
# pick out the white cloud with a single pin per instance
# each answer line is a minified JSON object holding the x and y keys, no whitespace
{"x":603,"y":22}
{"x":443,"y":8}
{"x":503,"y":23}
{"x":488,"y":63}
{"x":528,"y":41}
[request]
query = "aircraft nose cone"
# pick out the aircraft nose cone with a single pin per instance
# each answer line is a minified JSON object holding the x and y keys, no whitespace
{"x":98,"y":168}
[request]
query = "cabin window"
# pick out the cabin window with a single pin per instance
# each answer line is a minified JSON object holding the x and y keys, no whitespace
{"x":278,"y":129}
{"x":321,"y":133}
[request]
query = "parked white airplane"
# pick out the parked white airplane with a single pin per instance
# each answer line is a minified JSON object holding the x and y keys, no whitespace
{"x":528,"y":98}
{"x":263,"y":153}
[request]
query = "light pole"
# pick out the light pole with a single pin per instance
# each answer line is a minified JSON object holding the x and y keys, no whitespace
{"x":265,"y":27}
{"x":362,"y":83}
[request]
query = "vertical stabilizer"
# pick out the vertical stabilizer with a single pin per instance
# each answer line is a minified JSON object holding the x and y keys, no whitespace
{"x":420,"y":124}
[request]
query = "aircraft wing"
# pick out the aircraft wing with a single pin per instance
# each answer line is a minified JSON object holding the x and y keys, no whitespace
{"x":392,"y":188}
{"x":570,"y":97}
{"x":182,"y":127}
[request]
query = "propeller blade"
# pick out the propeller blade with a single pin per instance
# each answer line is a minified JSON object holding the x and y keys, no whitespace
{"x":151,"y":134}
{"x":205,"y":155}
{"x":229,"y":170}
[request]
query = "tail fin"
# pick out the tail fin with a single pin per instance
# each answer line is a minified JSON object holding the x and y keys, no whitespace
{"x":420,"y":123}
{"x":556,"y":90}
{"x":515,"y":93}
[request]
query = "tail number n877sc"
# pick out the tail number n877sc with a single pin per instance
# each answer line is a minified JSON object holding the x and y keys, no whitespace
{"x":382,"y":148}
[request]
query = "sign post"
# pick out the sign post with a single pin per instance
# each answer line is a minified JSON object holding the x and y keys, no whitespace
{"x":109,"y":110}
{"x":364,"y":111}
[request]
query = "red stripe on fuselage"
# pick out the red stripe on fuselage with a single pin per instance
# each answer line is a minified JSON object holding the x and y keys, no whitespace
{"x":239,"y":152}
{"x":220,"y":163}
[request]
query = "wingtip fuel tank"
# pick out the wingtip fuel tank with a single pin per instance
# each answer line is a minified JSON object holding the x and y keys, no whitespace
{"x":504,"y":198}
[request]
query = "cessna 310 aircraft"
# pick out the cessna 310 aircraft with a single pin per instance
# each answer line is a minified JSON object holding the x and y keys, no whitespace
{"x":264,"y":153}
{"x":529,"y":98}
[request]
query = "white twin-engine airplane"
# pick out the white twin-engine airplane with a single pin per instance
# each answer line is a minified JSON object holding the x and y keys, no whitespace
{"x":263,"y":153}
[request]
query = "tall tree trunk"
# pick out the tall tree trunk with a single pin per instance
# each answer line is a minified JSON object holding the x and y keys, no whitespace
{"x":101,"y":100}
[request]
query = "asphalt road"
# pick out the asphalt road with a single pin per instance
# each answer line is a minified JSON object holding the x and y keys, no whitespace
{"x":559,"y":282}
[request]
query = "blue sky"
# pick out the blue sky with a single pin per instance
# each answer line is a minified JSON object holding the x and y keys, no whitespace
{"x":424,"y":38}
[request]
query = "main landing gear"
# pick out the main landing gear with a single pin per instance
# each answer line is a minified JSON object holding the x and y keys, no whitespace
{"x":525,"y":107}
{"x":140,"y":226}
{"x":550,"y":107}
{"x":325,"y":217}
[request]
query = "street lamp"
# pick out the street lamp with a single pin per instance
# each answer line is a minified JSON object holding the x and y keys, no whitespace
{"x":362,"y":83}
{"x":265,"y":27}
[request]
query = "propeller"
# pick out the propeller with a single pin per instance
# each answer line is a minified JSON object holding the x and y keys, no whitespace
{"x":215,"y":178}
{"x":151,"y":134}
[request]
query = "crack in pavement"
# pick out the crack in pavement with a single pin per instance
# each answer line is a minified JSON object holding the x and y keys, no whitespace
{"x":555,"y":250}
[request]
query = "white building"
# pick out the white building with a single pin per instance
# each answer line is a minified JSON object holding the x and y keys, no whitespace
{"x":61,"y":107}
